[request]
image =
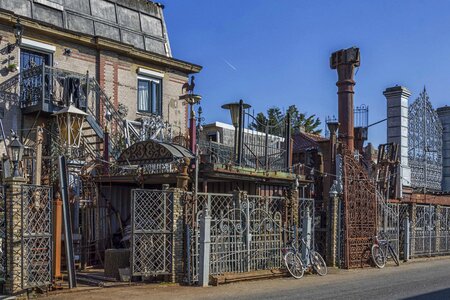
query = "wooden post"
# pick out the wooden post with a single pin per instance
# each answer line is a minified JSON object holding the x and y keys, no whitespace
{"x":38,"y":149}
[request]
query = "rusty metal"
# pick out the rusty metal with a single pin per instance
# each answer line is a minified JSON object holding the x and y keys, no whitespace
{"x":345,"y":61}
{"x":359,"y":212}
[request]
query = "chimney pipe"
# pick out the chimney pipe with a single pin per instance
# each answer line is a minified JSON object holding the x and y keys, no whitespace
{"x":345,"y":61}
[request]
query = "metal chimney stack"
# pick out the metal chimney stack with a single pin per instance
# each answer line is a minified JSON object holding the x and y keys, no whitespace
{"x":345,"y":61}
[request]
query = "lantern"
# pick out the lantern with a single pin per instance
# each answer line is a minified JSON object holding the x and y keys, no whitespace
{"x":16,"y":148}
{"x":70,"y":124}
{"x":18,"y":31}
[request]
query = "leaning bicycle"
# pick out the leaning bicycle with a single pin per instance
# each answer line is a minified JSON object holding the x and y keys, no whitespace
{"x":381,"y":250}
{"x":295,"y":264}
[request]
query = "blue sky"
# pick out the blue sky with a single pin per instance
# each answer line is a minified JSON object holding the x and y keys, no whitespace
{"x":277,"y":52}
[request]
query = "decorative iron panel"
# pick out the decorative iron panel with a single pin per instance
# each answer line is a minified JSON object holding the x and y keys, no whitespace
{"x":36,"y":231}
{"x":425,"y":144}
{"x":2,"y":234}
{"x":247,"y":231}
{"x":423,"y":236}
{"x":360,"y":211}
{"x":388,"y":220}
{"x":152,"y":232}
{"x":430,"y":231}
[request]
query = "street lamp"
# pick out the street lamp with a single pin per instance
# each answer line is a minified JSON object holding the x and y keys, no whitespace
{"x":70,"y":121}
{"x":237,"y":118}
{"x":16,"y":154}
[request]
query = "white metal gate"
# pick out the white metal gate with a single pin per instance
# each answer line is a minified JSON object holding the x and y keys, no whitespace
{"x":152,"y":232}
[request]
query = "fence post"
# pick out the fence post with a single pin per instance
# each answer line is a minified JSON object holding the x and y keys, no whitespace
{"x":407,"y":236}
{"x":205,"y":243}
{"x":437,"y":223}
{"x":412,"y":227}
{"x":13,"y":211}
{"x":306,"y":234}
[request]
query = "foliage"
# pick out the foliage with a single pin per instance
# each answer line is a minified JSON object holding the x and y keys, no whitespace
{"x":274,"y":116}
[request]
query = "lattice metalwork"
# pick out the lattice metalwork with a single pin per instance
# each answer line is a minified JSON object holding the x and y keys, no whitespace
{"x":36,"y":231}
{"x":152,"y":232}
{"x":360,"y":210}
{"x":425,"y":144}
{"x":2,"y":234}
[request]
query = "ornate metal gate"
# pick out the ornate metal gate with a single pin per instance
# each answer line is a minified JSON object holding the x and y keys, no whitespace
{"x":36,"y":227}
{"x":152,"y":232}
{"x":425,"y":144}
{"x":430,"y":231}
{"x":247,"y":231}
{"x":359,"y":212}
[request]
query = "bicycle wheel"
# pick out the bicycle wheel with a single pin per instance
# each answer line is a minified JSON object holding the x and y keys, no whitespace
{"x":378,"y":256}
{"x":294,"y":264}
{"x":394,"y":255}
{"x":318,"y":263}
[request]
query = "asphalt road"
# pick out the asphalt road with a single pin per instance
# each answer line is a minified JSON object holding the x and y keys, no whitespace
{"x":425,"y":279}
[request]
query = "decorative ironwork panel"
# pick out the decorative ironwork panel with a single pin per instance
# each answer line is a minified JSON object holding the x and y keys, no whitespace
{"x":425,"y":144}
{"x":36,"y":230}
{"x":2,"y":234}
{"x":430,"y":231}
{"x":443,"y":230}
{"x":388,"y":220}
{"x":152,"y":232}
{"x":423,"y":237}
{"x":360,"y":210}
{"x":247,"y":231}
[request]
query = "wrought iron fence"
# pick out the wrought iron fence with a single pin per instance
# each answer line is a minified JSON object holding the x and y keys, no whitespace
{"x":430,"y":231}
{"x":247,"y":231}
{"x":388,"y":217}
{"x":152,"y":232}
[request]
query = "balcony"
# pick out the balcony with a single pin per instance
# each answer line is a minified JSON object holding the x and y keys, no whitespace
{"x":44,"y":89}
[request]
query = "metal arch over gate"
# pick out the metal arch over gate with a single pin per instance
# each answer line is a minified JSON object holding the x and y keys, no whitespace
{"x":151,"y":232}
{"x":425,"y":144}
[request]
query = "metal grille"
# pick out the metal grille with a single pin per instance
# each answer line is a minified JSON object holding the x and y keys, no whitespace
{"x":152,"y":232}
{"x":388,"y":221}
{"x":424,"y":231}
{"x":247,"y":231}
{"x":425,"y":144}
{"x":36,"y":231}
{"x":360,"y":210}
{"x":2,"y":234}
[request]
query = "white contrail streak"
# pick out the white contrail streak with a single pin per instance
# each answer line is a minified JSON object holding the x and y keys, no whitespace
{"x":229,"y":64}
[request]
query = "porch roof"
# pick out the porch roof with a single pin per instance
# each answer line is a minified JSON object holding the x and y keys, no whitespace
{"x":151,"y":152}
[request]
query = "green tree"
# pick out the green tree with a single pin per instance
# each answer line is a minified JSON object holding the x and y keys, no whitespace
{"x":274,"y":116}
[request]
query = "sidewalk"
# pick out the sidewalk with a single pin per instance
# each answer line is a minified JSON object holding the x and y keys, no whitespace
{"x":343,"y":282}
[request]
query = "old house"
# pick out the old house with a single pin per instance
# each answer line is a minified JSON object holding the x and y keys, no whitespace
{"x":85,"y":79}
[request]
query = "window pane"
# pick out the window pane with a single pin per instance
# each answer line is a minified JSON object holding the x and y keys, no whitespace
{"x":143,"y":95}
